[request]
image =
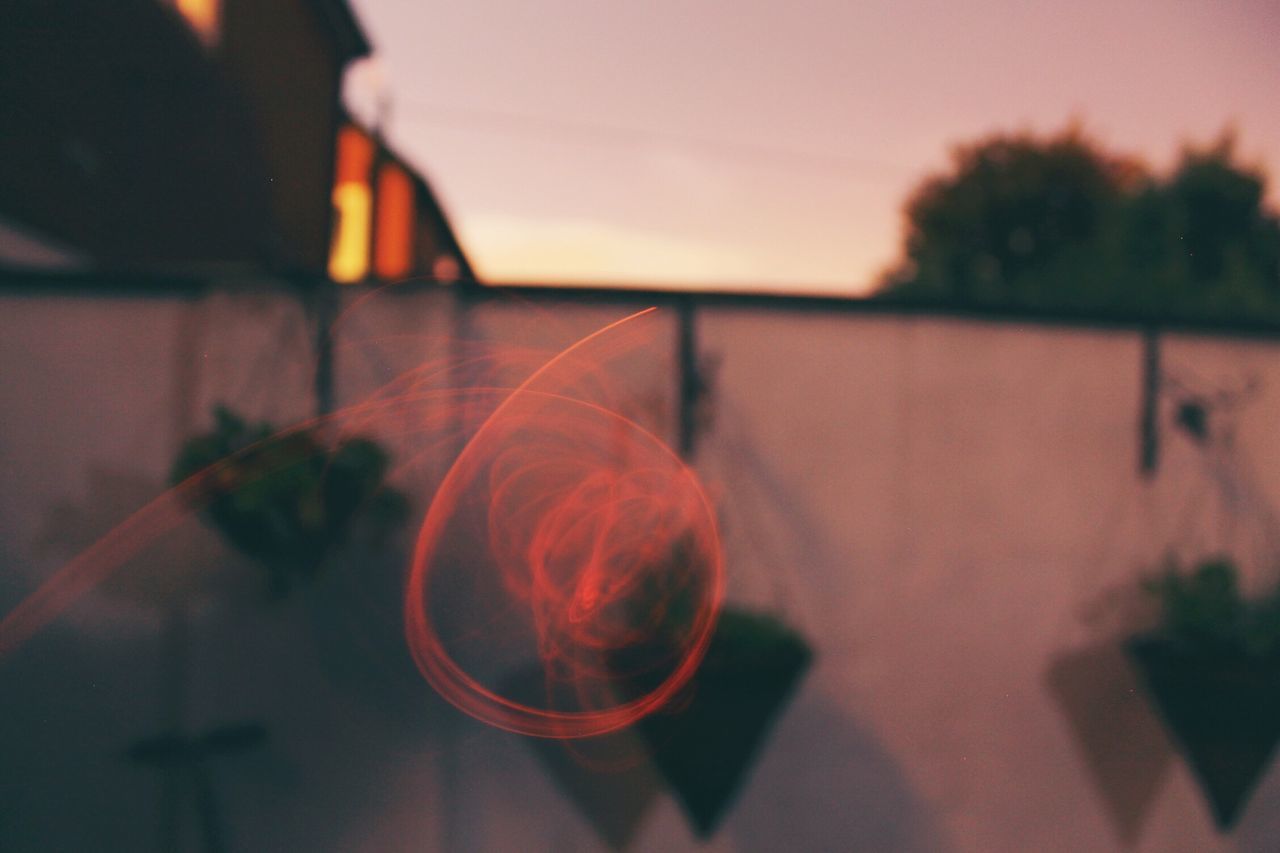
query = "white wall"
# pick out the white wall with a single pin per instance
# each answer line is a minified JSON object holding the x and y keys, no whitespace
{"x":943,"y":506}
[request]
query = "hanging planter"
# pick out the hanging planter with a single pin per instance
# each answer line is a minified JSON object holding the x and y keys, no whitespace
{"x":1212,"y":669}
{"x":284,"y":499}
{"x":704,"y":740}
{"x":705,"y":743}
{"x":287,"y":499}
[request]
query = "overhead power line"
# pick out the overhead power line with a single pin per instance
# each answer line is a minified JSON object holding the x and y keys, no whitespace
{"x":587,"y":132}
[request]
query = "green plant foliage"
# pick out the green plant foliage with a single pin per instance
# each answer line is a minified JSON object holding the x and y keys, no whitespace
{"x":1212,"y":670}
{"x":1203,"y":609}
{"x":286,"y":499}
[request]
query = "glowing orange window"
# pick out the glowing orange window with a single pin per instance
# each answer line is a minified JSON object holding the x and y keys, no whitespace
{"x":393,"y":232}
{"x":353,"y":206}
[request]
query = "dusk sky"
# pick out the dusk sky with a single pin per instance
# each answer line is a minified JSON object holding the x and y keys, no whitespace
{"x":771,"y":145}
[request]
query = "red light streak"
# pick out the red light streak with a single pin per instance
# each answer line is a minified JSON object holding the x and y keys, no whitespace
{"x":562,"y":528}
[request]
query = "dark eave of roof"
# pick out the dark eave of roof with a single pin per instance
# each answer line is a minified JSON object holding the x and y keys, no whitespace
{"x":342,"y":24}
{"x":429,"y":202}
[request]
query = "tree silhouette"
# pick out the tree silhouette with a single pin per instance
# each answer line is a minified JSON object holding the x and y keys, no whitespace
{"x":1060,"y":223}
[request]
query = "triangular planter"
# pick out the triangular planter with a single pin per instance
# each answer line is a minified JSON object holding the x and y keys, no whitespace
{"x":1118,"y":734}
{"x":1223,"y":710}
{"x":609,"y":779}
{"x":705,"y":742}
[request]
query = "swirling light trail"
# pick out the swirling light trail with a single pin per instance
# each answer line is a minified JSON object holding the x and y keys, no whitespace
{"x":583,"y":528}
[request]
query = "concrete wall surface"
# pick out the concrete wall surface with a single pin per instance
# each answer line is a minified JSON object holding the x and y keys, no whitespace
{"x":949,"y":509}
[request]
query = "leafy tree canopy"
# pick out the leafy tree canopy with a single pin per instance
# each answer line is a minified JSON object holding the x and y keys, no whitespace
{"x":1057,"y":222}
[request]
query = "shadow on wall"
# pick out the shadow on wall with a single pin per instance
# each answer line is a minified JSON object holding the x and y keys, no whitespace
{"x":339,"y":701}
{"x":823,"y":782}
{"x":74,"y":705}
{"x":180,"y":568}
{"x":71,"y":707}
{"x":826,"y":783}
{"x":1260,"y":824}
{"x":1117,"y":734}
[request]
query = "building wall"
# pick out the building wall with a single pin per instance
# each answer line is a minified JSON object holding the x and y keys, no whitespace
{"x":289,"y":71}
{"x":949,"y":509}
{"x":120,"y":140}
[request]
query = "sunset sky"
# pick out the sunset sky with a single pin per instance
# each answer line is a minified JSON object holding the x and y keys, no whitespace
{"x":770,"y":145}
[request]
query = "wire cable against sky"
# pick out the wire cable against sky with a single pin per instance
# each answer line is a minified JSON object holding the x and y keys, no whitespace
{"x":586,"y":132}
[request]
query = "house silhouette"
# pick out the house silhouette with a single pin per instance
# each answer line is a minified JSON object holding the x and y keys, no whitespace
{"x":197,"y":135}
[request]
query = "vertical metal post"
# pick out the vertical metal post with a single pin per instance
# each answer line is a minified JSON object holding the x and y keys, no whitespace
{"x":453,"y":801}
{"x":324,"y":301}
{"x":690,"y":383}
{"x":175,"y":643}
{"x":1149,"y":417}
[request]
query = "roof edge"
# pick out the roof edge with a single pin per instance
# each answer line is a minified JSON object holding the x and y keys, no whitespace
{"x":342,"y":23}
